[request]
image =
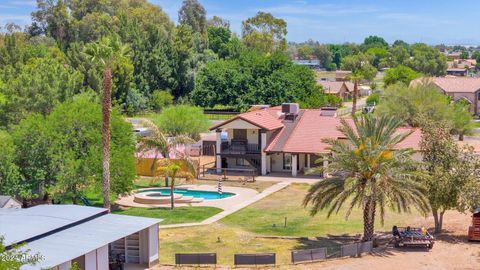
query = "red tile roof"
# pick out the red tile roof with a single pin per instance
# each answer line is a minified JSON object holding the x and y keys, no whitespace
{"x":453,"y":84}
{"x":412,"y":141}
{"x":307,"y":133}
{"x":312,"y":128}
{"x":268,"y":119}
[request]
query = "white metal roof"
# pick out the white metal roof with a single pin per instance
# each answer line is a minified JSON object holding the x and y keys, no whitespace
{"x":89,"y":229}
{"x":18,"y":225}
{"x":86,"y":237}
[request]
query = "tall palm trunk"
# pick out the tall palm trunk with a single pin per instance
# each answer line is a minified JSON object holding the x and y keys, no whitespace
{"x":106,"y":110}
{"x":369,"y":220}
{"x":354,"y":98}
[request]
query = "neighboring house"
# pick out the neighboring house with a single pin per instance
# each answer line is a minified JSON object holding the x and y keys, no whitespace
{"x":281,"y":139}
{"x":9,"y":202}
{"x":145,"y":161}
{"x":311,"y":63}
{"x":342,"y":75}
{"x":91,"y":237}
{"x":453,"y":55}
{"x":461,"y":67}
{"x":343,"y":90}
{"x":459,"y":88}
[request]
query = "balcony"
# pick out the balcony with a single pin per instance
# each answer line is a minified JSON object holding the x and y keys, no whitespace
{"x":240,"y":148}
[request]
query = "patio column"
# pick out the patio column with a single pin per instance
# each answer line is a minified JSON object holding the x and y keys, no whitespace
{"x":325,"y":164}
{"x":263,"y":145}
{"x":294,"y":165}
{"x":218,"y":149}
{"x":308,"y":161}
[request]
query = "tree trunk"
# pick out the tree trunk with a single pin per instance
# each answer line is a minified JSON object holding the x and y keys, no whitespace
{"x":438,"y":219}
{"x":369,"y":220}
{"x":354,"y":97}
{"x":106,"y":110}
{"x":166,"y":180}
{"x":172,"y":198}
{"x":460,"y":136}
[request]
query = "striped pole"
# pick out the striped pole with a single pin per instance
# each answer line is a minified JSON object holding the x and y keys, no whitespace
{"x":219,"y":186}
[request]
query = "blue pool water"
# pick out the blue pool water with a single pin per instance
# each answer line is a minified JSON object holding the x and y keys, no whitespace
{"x":206,"y":195}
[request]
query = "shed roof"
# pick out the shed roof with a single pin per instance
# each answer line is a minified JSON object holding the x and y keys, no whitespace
{"x":60,"y":233}
{"x":332,"y":87}
{"x":19,"y":225}
{"x":84,"y":238}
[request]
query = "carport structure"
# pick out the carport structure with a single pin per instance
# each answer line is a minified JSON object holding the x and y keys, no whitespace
{"x":91,"y":237}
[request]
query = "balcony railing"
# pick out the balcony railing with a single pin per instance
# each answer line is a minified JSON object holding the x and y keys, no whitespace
{"x":240,"y":148}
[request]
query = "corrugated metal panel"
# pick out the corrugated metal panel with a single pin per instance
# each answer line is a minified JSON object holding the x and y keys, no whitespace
{"x":86,"y":237}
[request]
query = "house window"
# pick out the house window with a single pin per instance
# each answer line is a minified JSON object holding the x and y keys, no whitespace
{"x":478,"y":96}
{"x":287,"y":161}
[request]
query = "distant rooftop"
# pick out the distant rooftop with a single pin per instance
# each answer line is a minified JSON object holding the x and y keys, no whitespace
{"x":307,"y":62}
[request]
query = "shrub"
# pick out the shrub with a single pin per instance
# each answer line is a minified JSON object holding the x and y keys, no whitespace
{"x":161,"y":100}
{"x":373,"y":98}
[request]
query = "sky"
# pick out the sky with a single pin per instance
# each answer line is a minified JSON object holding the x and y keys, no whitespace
{"x":331,"y":21}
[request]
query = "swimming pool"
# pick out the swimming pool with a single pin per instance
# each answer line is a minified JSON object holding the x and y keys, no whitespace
{"x":206,"y":195}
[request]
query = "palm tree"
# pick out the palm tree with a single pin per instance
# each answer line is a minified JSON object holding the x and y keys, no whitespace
{"x":164,"y":145}
{"x":361,"y":68}
{"x":106,"y":52}
{"x":369,"y":171}
{"x":173,"y":169}
{"x":356,"y":78}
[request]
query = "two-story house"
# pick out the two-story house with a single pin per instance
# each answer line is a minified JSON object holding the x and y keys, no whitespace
{"x":280,"y":139}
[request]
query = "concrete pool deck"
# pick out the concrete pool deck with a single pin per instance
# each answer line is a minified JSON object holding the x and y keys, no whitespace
{"x":243,"y":197}
{"x":241,"y":194}
{"x":231,"y":206}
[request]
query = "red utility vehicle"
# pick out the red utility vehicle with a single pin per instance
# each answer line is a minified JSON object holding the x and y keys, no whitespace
{"x":474,"y":229}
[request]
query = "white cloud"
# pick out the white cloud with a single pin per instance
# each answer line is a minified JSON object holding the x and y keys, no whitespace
{"x":21,"y":20}
{"x":320,"y":9}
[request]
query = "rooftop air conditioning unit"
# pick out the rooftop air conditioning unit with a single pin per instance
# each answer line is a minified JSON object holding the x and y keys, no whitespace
{"x":290,"y":108}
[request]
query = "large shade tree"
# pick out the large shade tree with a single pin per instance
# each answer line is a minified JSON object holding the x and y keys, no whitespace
{"x":265,"y":32}
{"x":106,"y":52}
{"x":368,"y":171}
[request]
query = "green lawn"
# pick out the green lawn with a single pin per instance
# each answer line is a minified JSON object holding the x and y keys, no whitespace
{"x":288,"y":203}
{"x":178,"y":215}
{"x":476,"y":124}
{"x":242,"y":231}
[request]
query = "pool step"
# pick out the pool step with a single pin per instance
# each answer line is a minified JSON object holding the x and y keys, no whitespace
{"x":184,"y":199}
{"x":197,"y":200}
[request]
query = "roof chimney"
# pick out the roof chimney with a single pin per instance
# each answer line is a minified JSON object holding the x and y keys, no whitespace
{"x":328,"y":111}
